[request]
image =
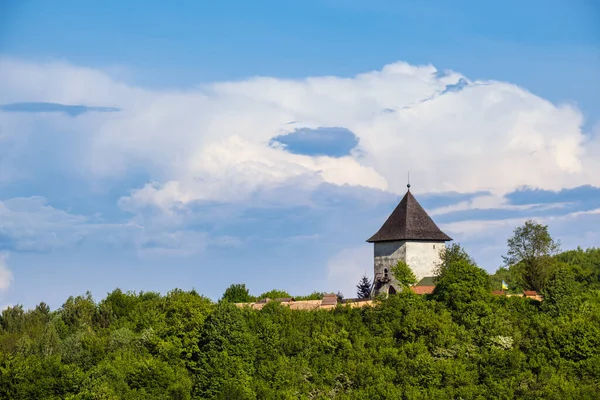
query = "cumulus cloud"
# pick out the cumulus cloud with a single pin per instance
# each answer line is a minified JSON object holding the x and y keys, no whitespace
{"x":214,"y":144}
{"x":6,"y":275}
{"x":491,"y":202}
{"x":211,"y":143}
{"x":205,"y":168}
{"x":29,"y":224}
{"x":486,"y":239}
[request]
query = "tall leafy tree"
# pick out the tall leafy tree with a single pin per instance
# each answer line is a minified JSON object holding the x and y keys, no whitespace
{"x":462,"y":283}
{"x":530,"y":252}
{"x":403,"y":274}
{"x":363,"y":289}
{"x":237,"y":293}
{"x":560,"y":292}
{"x":451,"y":254}
{"x":584,"y":264}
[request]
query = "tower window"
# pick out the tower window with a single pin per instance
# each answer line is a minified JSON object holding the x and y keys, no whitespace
{"x":434,"y":246}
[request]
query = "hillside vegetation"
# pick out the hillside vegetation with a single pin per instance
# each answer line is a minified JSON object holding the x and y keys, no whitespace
{"x":459,"y":342}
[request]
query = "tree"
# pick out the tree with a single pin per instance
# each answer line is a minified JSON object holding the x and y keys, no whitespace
{"x":560,"y":292}
{"x":584,"y":264}
{"x":274,"y":294}
{"x":529,"y":252}
{"x":78,"y":312}
{"x":226,"y":350}
{"x":462,"y":283}
{"x":450,"y":254}
{"x":237,"y":293}
{"x":12,"y":318}
{"x":312,"y":296}
{"x":403,"y":274}
{"x":363,"y":289}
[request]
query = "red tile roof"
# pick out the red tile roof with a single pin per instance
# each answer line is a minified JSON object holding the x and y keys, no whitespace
{"x":422,"y":289}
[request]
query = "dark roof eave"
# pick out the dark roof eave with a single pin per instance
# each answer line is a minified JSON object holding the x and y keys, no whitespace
{"x":448,"y":239}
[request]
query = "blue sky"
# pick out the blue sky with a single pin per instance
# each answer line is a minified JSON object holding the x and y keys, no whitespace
{"x":147,"y":146}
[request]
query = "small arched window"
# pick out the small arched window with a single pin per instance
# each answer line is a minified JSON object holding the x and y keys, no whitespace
{"x":392,"y":290}
{"x":385,"y":272}
{"x":434,"y":246}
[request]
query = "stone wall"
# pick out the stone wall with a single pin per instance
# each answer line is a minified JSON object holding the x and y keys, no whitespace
{"x":386,"y":255}
{"x":421,"y":257}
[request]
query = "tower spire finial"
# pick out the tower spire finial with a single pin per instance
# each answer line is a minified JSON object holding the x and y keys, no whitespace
{"x":408,"y":184}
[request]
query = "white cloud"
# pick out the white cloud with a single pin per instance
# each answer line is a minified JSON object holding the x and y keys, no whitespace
{"x":491,"y":202}
{"x":475,"y":228}
{"x":6,"y":275}
{"x":31,"y":225}
{"x":211,"y":143}
{"x":232,"y":170}
{"x":486,"y":239}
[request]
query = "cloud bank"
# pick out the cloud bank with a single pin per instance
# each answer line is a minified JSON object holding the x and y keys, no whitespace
{"x":212,"y":142}
{"x":313,"y":165}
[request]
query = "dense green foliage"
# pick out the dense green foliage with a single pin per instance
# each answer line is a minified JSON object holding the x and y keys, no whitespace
{"x":274,"y":294}
{"x":451,"y":254}
{"x":403,"y":274}
{"x":460,"y":342}
{"x":237,"y":293}
{"x":583,"y":265}
{"x":530,"y":252}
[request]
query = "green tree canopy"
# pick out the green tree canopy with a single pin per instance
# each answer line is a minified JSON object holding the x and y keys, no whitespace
{"x":237,"y":293}
{"x":461,"y":342}
{"x":274,"y":294}
{"x":451,"y":254}
{"x":584,"y":264}
{"x":403,"y":274}
{"x":462,"y":282}
{"x":560,"y":292}
{"x":529,"y":254}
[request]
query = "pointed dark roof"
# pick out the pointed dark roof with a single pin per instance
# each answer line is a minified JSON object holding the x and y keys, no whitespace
{"x":409,"y":221}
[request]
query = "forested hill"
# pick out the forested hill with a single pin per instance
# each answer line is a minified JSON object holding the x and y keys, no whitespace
{"x":460,"y":342}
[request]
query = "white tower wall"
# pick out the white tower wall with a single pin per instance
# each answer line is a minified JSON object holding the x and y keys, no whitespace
{"x":421,"y":256}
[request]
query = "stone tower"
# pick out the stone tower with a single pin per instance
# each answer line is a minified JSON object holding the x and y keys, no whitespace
{"x":410,"y":235}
